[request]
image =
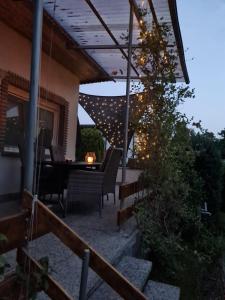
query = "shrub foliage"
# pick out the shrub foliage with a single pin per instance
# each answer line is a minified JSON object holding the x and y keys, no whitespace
{"x":181,"y":245}
{"x":91,"y":141}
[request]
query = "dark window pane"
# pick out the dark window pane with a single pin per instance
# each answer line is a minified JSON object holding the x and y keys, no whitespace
{"x":46,"y":126}
{"x":14,"y":122}
{"x":46,"y":119}
{"x":16,"y":116}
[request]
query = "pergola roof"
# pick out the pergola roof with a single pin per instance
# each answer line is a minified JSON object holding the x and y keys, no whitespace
{"x":95,"y":25}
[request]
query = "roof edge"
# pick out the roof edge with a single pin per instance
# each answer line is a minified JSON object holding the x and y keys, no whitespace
{"x":178,"y":37}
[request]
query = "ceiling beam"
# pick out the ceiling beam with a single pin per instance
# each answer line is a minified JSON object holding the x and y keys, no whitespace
{"x":151,"y":5}
{"x":99,"y":17}
{"x":103,"y":47}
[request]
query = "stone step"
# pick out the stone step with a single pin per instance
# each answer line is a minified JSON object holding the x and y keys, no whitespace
{"x":160,"y":291}
{"x":127,"y":249}
{"x":135,"y":270}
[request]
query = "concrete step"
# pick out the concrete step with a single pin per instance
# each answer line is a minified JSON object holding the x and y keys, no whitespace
{"x":135,"y":270}
{"x":127,"y":249}
{"x":160,"y":291}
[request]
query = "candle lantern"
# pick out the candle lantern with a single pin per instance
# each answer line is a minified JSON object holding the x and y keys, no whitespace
{"x":90,"y":157}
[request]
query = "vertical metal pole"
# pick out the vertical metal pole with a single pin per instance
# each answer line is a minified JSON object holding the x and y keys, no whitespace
{"x":84,"y":275}
{"x":127,"y":95}
{"x":34,"y":87}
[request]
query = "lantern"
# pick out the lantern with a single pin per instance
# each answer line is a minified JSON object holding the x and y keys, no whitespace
{"x":90,"y":157}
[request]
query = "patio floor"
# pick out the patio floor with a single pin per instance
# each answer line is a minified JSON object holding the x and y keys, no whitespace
{"x":101,"y":233}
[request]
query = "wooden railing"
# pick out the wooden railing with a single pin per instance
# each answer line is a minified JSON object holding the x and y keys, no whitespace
{"x":125,"y":191}
{"x":15,"y":229}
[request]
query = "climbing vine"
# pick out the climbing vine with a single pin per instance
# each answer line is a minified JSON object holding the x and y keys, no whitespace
{"x":169,"y":217}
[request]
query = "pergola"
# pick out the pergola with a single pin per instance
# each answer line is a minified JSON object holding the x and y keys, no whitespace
{"x":98,"y":28}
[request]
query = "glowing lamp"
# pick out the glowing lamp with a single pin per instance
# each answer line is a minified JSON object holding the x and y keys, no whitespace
{"x":90,"y":157}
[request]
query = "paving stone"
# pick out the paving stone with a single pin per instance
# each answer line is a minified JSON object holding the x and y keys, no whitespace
{"x":160,"y":291}
{"x":135,"y":270}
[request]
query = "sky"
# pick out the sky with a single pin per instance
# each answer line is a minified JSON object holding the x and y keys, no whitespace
{"x":202,"y":25}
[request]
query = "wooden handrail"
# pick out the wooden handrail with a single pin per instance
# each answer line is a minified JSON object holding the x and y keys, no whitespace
{"x":15,"y":228}
{"x":129,"y":189}
{"x":126,"y":190}
{"x":69,"y":238}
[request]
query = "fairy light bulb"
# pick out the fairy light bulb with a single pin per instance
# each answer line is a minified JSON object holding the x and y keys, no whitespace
{"x":142,"y":60}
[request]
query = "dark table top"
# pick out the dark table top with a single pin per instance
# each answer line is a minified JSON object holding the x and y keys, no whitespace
{"x":73,"y":164}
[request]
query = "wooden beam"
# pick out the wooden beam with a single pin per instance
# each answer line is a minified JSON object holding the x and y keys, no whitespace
{"x":129,"y":189}
{"x":106,"y":271}
{"x":69,"y":238}
{"x":54,"y":290}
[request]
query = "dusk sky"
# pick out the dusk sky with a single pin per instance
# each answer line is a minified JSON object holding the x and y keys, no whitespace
{"x":202,"y":25}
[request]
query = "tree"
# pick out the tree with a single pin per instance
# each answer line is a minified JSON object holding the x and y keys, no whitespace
{"x":222,"y":143}
{"x":208,"y":164}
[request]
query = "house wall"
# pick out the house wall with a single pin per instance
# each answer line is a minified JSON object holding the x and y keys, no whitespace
{"x":15,"y":56}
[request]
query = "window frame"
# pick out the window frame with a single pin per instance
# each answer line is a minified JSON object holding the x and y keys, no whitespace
{"x":23,"y":96}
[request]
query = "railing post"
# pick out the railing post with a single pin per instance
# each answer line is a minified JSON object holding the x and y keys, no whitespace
{"x":84,"y":275}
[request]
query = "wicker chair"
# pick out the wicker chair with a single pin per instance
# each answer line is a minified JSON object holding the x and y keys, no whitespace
{"x":50,"y":180}
{"x":94,"y":185}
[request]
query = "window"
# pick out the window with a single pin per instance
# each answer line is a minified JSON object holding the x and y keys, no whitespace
{"x":16,"y":121}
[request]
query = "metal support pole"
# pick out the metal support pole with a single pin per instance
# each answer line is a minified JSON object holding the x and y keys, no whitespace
{"x":127,"y":96}
{"x":34,"y":87}
{"x":84,"y":275}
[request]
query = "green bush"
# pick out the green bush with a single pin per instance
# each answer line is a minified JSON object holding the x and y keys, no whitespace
{"x":91,"y":141}
{"x":223,"y":188}
{"x":222,"y":143}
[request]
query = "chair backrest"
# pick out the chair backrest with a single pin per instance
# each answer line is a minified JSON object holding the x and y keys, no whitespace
{"x":57,"y":153}
{"x":41,"y":156}
{"x":106,"y":158}
{"x":111,"y":170}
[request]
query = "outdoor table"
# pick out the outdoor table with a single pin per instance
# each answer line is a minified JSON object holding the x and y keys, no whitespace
{"x":72,"y":165}
{"x":63,"y":168}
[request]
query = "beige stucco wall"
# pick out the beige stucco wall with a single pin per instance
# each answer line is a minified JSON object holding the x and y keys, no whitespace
{"x":15,"y":56}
